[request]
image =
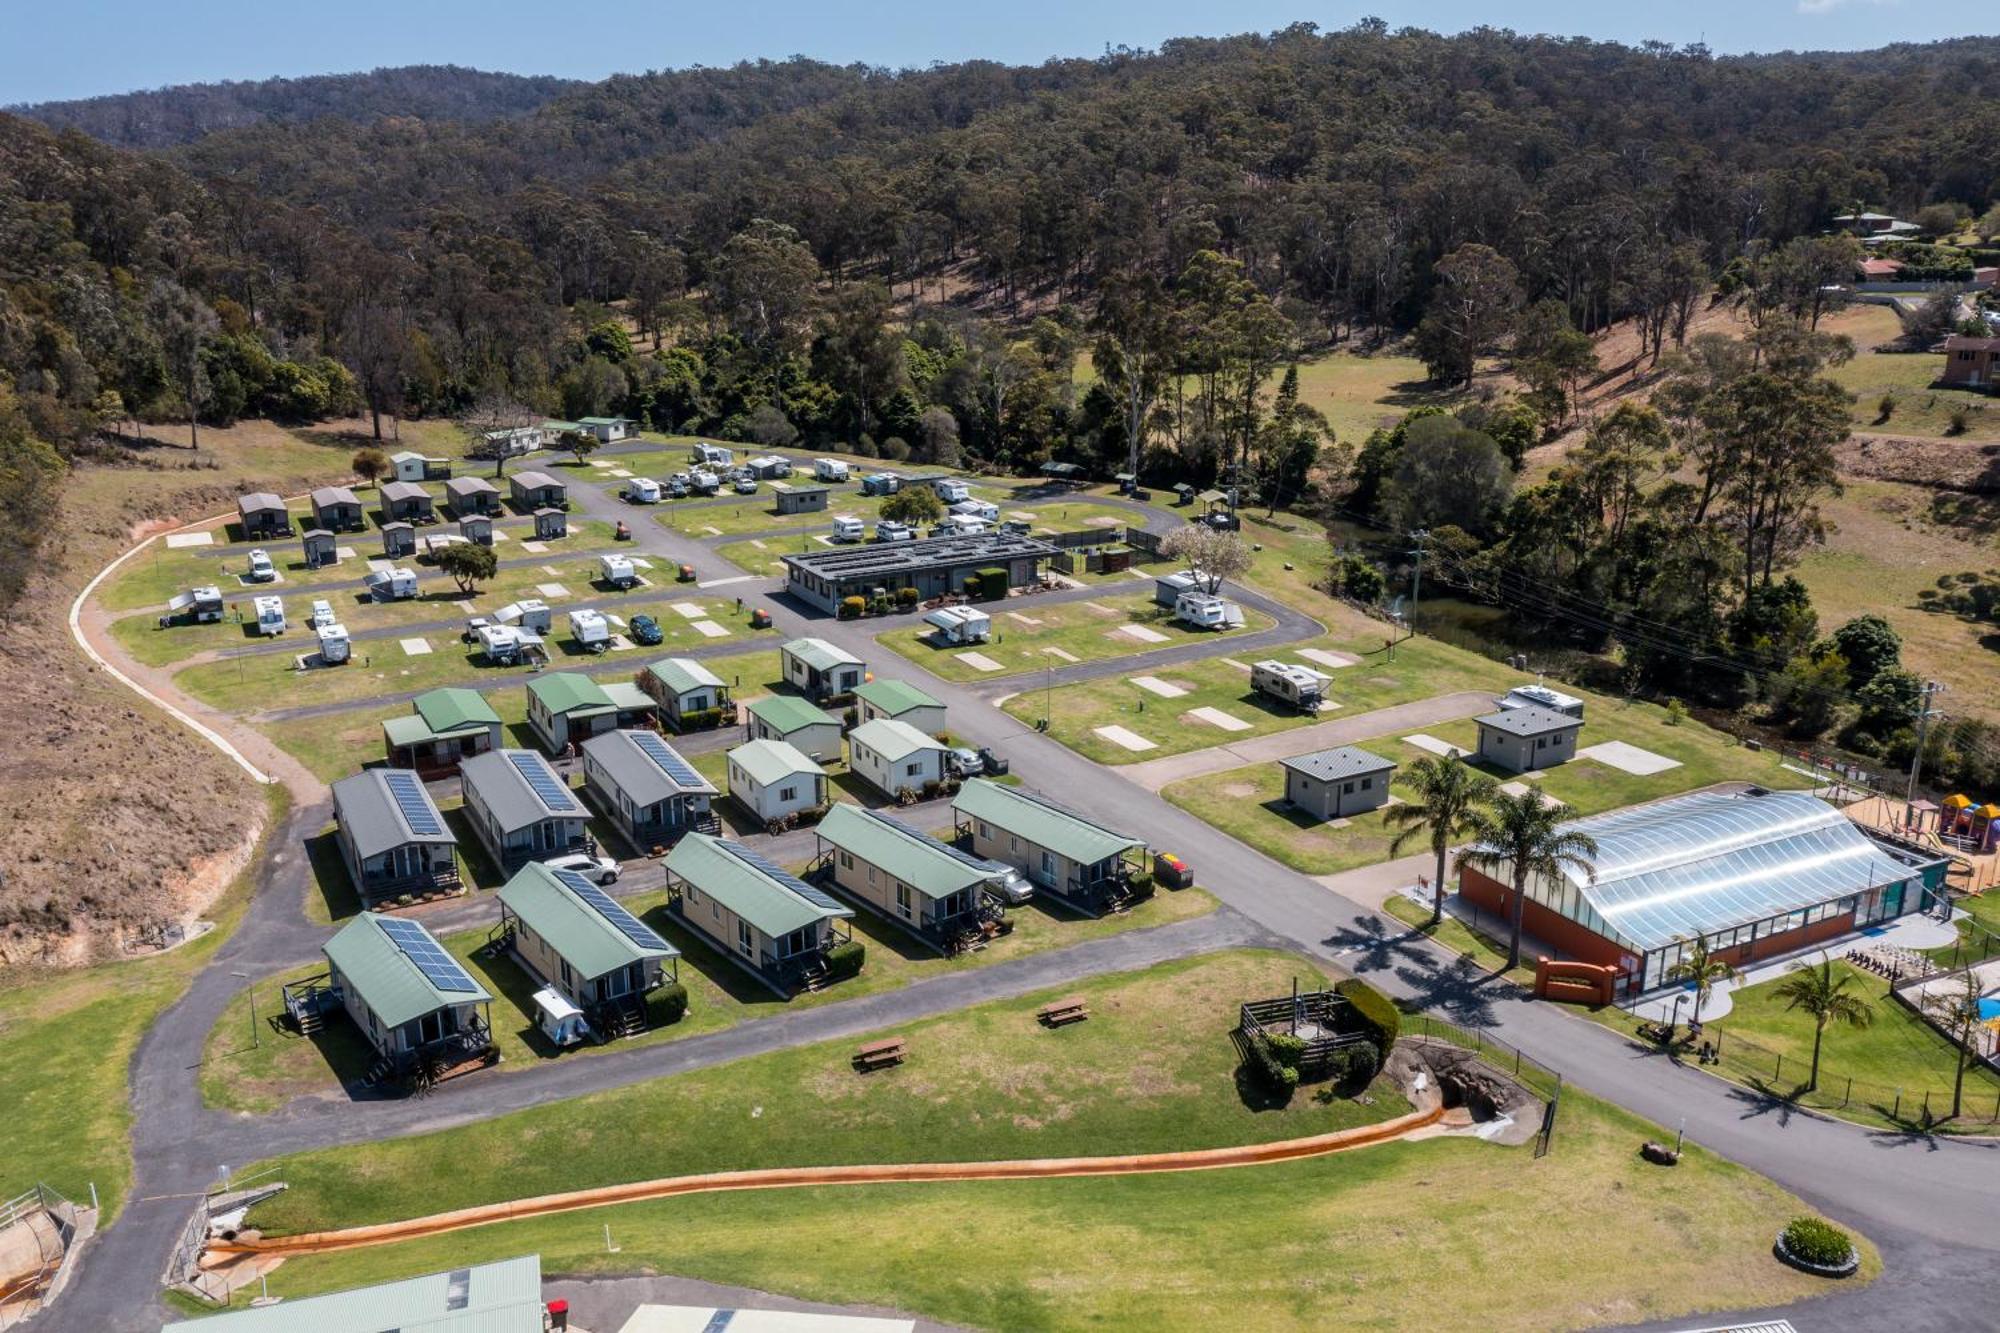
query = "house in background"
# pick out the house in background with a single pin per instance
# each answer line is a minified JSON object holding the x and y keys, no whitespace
{"x":780,"y":717}
{"x":471,"y":495}
{"x":1086,"y":865}
{"x":608,"y":430}
{"x":682,"y":685}
{"x":769,"y":922}
{"x":1874,"y":227}
{"x":521,"y":809}
{"x":772,"y":780}
{"x":650,"y":792}
{"x":1971,"y":363}
{"x":443,"y":727}
{"x":578,"y":940}
{"x":567,"y":707}
{"x":819,"y":670}
{"x":502,"y":1297}
{"x":801,"y":499}
{"x":1337,"y":783}
{"x":518,"y":440}
{"x":392,"y":837}
{"x":900,"y":702}
{"x":537,"y":490}
{"x":411,"y":1000}
{"x":337,"y":509}
{"x":262,"y":514}
{"x":930,"y":889}
{"x":1522,"y":740}
{"x":894,"y":757}
{"x":406,"y":502}
{"x":412,"y":466}
{"x":934,"y":566}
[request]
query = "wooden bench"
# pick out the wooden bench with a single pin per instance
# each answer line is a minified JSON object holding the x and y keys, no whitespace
{"x":1069,"y":1009}
{"x":880,"y":1054}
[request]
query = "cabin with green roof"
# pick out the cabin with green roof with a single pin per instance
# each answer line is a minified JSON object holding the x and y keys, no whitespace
{"x":774,"y":782}
{"x":809,"y":730}
{"x":608,"y":430}
{"x":895,"y":758}
{"x":900,"y":701}
{"x":685,"y":689}
{"x":566,"y":708}
{"x":500,"y":1297}
{"x":769,"y":922}
{"x":820,"y":670}
{"x":412,"y":1002}
{"x":578,"y":940}
{"x":929,"y":888}
{"x":443,"y":727}
{"x":1083,"y":863}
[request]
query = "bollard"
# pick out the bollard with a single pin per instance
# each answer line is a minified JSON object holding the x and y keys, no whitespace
{"x":1849,"y":1094}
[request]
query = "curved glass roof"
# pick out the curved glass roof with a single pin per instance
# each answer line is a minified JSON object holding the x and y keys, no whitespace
{"x":1711,"y":861}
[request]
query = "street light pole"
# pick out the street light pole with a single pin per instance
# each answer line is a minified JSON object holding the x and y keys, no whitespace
{"x":1924,"y":715}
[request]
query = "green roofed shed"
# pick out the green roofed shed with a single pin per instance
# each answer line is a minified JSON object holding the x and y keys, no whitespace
{"x":501,"y":1297}
{"x":568,"y":691}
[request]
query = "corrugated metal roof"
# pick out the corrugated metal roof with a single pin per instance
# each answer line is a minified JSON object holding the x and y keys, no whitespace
{"x":403,"y":490}
{"x":501,"y":1297}
{"x":567,"y":691}
{"x":450,"y":709}
{"x":821,"y":655}
{"x":1344,"y":761}
{"x":770,"y":899}
{"x":1041,"y":822}
{"x":786,"y":714}
{"x":895,"y":697}
{"x":891,"y":738}
{"x":1529,"y":721}
{"x":393,"y":986}
{"x":624,"y":758}
{"x":508,"y":794}
{"x":770,"y":762}
{"x":470,"y":486}
{"x":683,"y":675}
{"x":573,"y":926}
{"x":922,"y":862}
{"x":257,"y":500}
{"x":373,"y":820}
{"x":327,"y":496}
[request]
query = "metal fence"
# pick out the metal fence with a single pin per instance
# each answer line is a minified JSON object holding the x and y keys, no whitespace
{"x":1502,"y":1055}
{"x":1918,"y":1105}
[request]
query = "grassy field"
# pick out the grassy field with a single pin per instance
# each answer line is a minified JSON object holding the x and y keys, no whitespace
{"x":1494,"y":1239}
{"x":1061,"y":633}
{"x":282,"y":1065}
{"x":1921,"y":409}
{"x":1361,"y":393}
{"x":66,"y":1045}
{"x":1421,"y":668}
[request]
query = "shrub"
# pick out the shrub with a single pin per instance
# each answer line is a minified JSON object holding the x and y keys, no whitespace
{"x":931,"y":789}
{"x":670,"y":1002}
{"x":907,"y":597}
{"x":1961,"y":421}
{"x":1275,"y":1075}
{"x":1817,"y":1241}
{"x":700,"y":719}
{"x":1354,"y":1066}
{"x":1372,"y":1007}
{"x":851,"y":608}
{"x":844,"y":960}
{"x":1286,"y":1049}
{"x":1142,"y":886}
{"x":1677,"y":712}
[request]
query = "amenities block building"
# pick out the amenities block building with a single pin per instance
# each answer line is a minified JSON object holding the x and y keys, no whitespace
{"x":1522,"y":740}
{"x":768,"y":921}
{"x":1333,"y":784}
{"x":934,"y":566}
{"x":1088,"y":866}
{"x":1756,"y":876}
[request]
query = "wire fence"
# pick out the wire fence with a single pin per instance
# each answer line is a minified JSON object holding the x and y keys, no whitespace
{"x":1502,"y":1055}
{"x":1918,"y":1105}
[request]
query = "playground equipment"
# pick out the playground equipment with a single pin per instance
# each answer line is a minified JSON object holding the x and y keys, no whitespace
{"x":1969,"y":827}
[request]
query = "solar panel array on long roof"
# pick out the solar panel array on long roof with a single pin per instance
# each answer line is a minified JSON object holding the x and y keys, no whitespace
{"x":542,"y":781}
{"x":439,"y":968}
{"x":613,"y":911}
{"x":416,"y":807}
{"x":675,"y":767}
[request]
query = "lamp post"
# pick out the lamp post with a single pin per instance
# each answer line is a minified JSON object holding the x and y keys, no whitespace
{"x":250,"y":993}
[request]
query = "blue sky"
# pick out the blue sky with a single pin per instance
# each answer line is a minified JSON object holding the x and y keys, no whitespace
{"x":76,"y":48}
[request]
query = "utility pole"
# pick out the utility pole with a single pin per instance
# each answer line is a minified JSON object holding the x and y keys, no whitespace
{"x":1924,"y":715}
{"x":1420,"y":536}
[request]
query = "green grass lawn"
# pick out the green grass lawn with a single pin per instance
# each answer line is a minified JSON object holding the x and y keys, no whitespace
{"x":1486,"y":952}
{"x":260,"y":1077}
{"x":1421,"y":668}
{"x":1028,"y":635}
{"x":1493,"y":1235}
{"x":1921,"y":408}
{"x":66,"y":1045}
{"x":1360,"y":393}
{"x":1247,"y":804}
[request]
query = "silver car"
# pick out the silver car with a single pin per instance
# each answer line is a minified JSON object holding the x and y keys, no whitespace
{"x":597,"y":869}
{"x":1011,"y":888}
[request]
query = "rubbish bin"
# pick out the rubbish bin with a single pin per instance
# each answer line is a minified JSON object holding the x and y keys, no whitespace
{"x":1171,"y":871}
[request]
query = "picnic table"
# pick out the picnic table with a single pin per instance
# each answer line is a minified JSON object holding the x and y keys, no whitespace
{"x":880,"y":1054}
{"x":1069,"y":1009}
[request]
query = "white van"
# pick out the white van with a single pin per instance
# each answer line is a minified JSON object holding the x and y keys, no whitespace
{"x":888,"y":530}
{"x":590,"y":629}
{"x":322,"y":615}
{"x":270,"y":615}
{"x":642,"y":491}
{"x":847,"y":528}
{"x":261,"y":568}
{"x":984,"y":510}
{"x":617,"y":570}
{"x":829,"y":469}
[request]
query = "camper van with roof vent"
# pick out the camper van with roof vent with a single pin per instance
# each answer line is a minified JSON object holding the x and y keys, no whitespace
{"x":1301,"y":687}
{"x":847,"y":528}
{"x":270,"y":615}
{"x":829,"y":469}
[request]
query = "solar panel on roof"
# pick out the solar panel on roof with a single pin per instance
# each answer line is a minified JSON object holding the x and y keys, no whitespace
{"x":676,"y":768}
{"x":439,"y":968}
{"x":613,"y":911}
{"x":544,"y":783}
{"x":816,"y":896}
{"x":417,"y":810}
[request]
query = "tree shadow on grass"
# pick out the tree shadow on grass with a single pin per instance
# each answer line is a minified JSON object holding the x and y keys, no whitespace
{"x":1461,"y":989}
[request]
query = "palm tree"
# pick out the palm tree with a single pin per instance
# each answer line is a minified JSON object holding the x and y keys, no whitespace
{"x":1701,"y":967}
{"x":1525,"y":834}
{"x":1955,"y":1009}
{"x":1449,"y":794}
{"x":1822,"y":994}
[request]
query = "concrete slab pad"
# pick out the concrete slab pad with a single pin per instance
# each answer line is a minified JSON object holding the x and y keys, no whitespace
{"x":465,"y":606}
{"x":1443,"y":749}
{"x":1064,"y":653}
{"x":1025,"y":620}
{"x":1215,"y":717}
{"x":500,"y":535}
{"x":1154,"y":685}
{"x":1102,"y":609}
{"x":1143,"y":633}
{"x":759,"y":545}
{"x":978,"y":661}
{"x":822,"y":539}
{"x":1128,"y":739}
{"x":180,"y":540}
{"x":621,"y":472}
{"x":1628,"y":758}
{"x":640,"y":562}
{"x":377,"y":564}
{"x":1333,"y":661}
{"x":1240,"y":666}
{"x":534,"y":547}
{"x":1523,"y":788}
{"x":602,"y":463}
{"x":619,"y":643}
{"x":691,"y":610}
{"x":1104,"y":521}
{"x":708,"y":629}
{"x":344,"y":553}
{"x":416,"y":647}
{"x":712,"y":530}
{"x":550,"y":569}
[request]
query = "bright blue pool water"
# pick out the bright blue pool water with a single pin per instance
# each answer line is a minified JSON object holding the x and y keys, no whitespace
{"x":1989,"y":1008}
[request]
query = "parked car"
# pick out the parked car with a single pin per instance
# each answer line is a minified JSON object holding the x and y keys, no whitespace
{"x":1011,"y":888}
{"x":596,"y":869}
{"x":965,"y":761}
{"x":261,"y":568}
{"x":645,"y":630}
{"x":746,"y":485}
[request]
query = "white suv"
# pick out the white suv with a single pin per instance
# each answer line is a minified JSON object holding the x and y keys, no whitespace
{"x":596,"y":869}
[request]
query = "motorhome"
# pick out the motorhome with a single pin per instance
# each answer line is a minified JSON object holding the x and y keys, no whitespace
{"x":950,"y":491}
{"x":203,"y":606}
{"x":960,"y":525}
{"x":956,"y":625}
{"x":829,"y":469}
{"x":322,"y":614}
{"x":847,"y":528}
{"x":642,"y":491}
{"x":1206,"y":611}
{"x":270,"y":615}
{"x":881,"y":483}
{"x":1541,"y":696}
{"x":888,"y":530}
{"x":261,"y":569}
{"x":590,"y":629}
{"x":617,"y":570}
{"x":333,"y":645}
{"x":712,"y":455}
{"x":1301,"y":687}
{"x":392,"y":584}
{"x":530,"y":613}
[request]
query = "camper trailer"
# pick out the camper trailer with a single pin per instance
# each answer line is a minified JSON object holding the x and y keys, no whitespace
{"x":617,"y":570}
{"x":1204,"y":611}
{"x":703,"y":482}
{"x":956,"y":625}
{"x":1301,"y":687}
{"x":1541,"y":696}
{"x":261,"y":569}
{"x":712,"y":455}
{"x":847,"y":528}
{"x":829,"y":469}
{"x":530,"y":613}
{"x":502,"y":644}
{"x":960,"y":525}
{"x":322,"y":614}
{"x":984,"y":510}
{"x":881,"y":483}
{"x":590,"y":629}
{"x":393,"y":584}
{"x":888,"y":530}
{"x":950,"y":491}
{"x":642,"y":491}
{"x":333,"y":645}
{"x":202,"y":606}
{"x":270,"y":615}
